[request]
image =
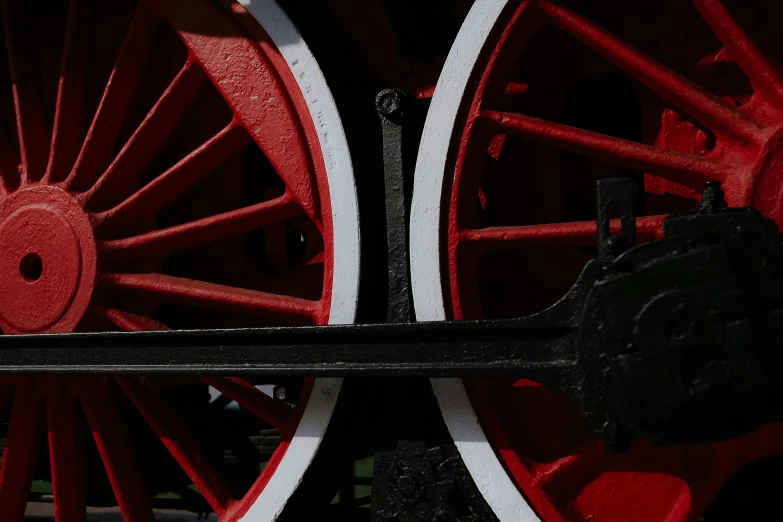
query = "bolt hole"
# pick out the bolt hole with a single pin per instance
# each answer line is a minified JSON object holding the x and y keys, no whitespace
{"x":31,"y":267}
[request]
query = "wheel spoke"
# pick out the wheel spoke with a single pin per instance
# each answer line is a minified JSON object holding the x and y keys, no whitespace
{"x":69,"y":123}
{"x":28,"y":103}
{"x":764,"y":73}
{"x":512,"y":89}
{"x":211,"y":295}
{"x":21,"y":450}
{"x":705,"y":108}
{"x":101,"y":140}
{"x":161,"y":243}
{"x":573,"y":234}
{"x":114,"y":445}
{"x":152,"y":133}
{"x":66,"y":451}
{"x":128,"y":322}
{"x":676,"y":166}
{"x":9,"y":167}
{"x":573,"y":471}
{"x":167,"y":187}
{"x":255,"y":401}
{"x":165,"y":422}
{"x":275,"y":127}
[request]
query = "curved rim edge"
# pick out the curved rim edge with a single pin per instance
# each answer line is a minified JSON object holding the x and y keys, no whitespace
{"x":488,"y":473}
{"x":345,"y":223}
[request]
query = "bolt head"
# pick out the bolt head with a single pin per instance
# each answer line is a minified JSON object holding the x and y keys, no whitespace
{"x":389,"y":102}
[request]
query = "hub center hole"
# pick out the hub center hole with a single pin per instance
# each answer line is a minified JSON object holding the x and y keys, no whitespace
{"x":31,"y":267}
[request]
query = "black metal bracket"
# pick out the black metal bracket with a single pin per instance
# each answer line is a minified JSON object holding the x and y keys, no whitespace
{"x":395,"y":112}
{"x":418,"y":474}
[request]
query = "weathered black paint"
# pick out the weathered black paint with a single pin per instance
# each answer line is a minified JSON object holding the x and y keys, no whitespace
{"x":675,"y":339}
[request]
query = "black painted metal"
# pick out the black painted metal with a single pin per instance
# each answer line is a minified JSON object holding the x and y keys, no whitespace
{"x":672,"y":339}
{"x":489,"y":348}
{"x":418,"y":474}
{"x":394,"y":110}
{"x":680,"y":339}
{"x":675,"y":339}
{"x":623,"y":193}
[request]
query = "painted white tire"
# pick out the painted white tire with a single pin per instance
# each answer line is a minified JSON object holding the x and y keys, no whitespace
{"x":345,"y":218}
{"x":431,"y":176}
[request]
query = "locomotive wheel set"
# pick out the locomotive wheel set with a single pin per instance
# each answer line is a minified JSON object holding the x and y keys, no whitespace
{"x":559,"y":297}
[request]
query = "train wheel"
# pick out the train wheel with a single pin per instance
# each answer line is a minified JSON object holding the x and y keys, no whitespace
{"x":537,"y":100}
{"x":166,"y":164}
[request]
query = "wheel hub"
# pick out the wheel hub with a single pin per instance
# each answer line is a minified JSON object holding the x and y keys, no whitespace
{"x":47,"y":261}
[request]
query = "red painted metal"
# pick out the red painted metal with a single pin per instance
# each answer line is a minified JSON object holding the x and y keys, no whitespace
{"x":174,"y":435}
{"x":673,"y":165}
{"x":60,"y":401}
{"x":262,"y":406}
{"x":520,"y":230}
{"x":66,"y":451}
{"x":114,"y":444}
{"x":184,"y":175}
{"x":55,"y":222}
{"x":30,"y":122}
{"x":124,"y":195}
{"x":48,"y":261}
{"x":579,"y":233}
{"x":21,"y":448}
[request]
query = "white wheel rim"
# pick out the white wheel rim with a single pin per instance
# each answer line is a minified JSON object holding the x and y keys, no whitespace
{"x":488,"y":473}
{"x":345,"y":222}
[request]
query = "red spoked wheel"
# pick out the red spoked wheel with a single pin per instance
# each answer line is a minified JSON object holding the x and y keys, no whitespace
{"x":538,"y":100}
{"x":166,"y":164}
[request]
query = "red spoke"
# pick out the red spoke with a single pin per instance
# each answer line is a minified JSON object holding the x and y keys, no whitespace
{"x":668,"y":164}
{"x":167,"y":187}
{"x":164,"y":420}
{"x":709,"y":110}
{"x":69,"y":123}
{"x":128,"y":322}
{"x":66,"y":451}
{"x":161,"y":243}
{"x":256,"y":94}
{"x":577,"y":233}
{"x":28,"y":103}
{"x":255,"y":401}
{"x":101,"y":140}
{"x":211,"y":295}
{"x":763,"y":72}
{"x":21,"y":450}
{"x":512,"y":89}
{"x":114,"y":445}
{"x":9,"y":167}
{"x":573,"y":471}
{"x":152,"y":133}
